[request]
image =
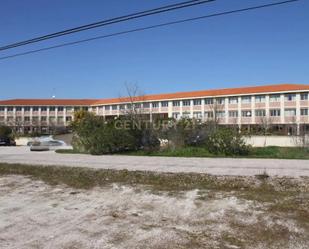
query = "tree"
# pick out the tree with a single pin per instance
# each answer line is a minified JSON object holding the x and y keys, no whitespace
{"x":134,"y":110}
{"x":265,"y":123}
{"x":216,"y":108}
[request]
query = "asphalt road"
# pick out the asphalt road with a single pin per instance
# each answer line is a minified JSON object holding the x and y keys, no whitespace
{"x":215,"y":166}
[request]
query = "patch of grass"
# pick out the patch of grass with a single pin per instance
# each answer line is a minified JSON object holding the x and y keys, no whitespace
{"x":69,"y":151}
{"x":280,"y":152}
{"x":259,"y":152}
{"x":179,"y":152}
{"x":79,"y":177}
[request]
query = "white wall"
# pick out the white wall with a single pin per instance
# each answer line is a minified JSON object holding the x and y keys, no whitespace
{"x":283,"y":141}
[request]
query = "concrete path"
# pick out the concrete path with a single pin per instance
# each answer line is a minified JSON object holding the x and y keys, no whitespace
{"x":216,"y":166}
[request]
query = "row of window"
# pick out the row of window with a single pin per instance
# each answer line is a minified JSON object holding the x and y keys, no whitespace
{"x":43,"y":108}
{"x":290,"y":112}
{"x":210,"y":101}
{"x":36,"y":119}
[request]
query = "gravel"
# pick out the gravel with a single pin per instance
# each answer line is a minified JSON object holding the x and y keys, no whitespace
{"x":215,"y":166}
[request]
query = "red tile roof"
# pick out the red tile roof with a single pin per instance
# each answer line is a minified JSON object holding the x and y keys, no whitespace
{"x":154,"y":97}
{"x":205,"y":93}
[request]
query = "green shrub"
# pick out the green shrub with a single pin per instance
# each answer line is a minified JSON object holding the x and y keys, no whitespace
{"x":97,"y":136}
{"x":225,"y":141}
{"x":5,"y":131}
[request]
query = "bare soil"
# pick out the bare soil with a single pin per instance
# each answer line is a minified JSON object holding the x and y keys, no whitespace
{"x":34,"y":214}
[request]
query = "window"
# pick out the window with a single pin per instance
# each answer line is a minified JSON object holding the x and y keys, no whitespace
{"x":260,"y":113}
{"x":220,"y":101}
{"x":233,"y":100}
{"x":186,"y":114}
{"x":146,"y":105}
{"x":114,"y":107}
{"x":197,"y":102}
{"x":176,"y":103}
{"x":27,"y":119}
{"x":107,"y":107}
{"x":246,"y":113}
{"x":60,"y":108}
{"x":10,"y":109}
{"x":304,"y":112}
{"x":274,"y":98}
{"x":1,"y":109}
{"x":220,"y":114}
{"x":69,"y":108}
{"x":197,"y":115}
{"x":176,"y":115}
{"x":122,"y":107}
{"x":10,"y":119}
{"x":155,"y":104}
{"x":35,"y":108}
{"x":137,"y":105}
{"x":209,"y":114}
{"x":85,"y":108}
{"x":44,"y":119}
{"x":68,"y":119}
{"x":52,"y":119}
{"x":77,"y":108}
{"x":18,"y":119}
{"x":35,"y":119}
{"x":304,"y":96}
{"x":246,"y":99}
{"x":164,"y":103}
{"x":43,"y":109}
{"x":209,"y":101}
{"x":290,"y":97}
{"x":275,"y":112}
{"x":233,"y":114}
{"x":18,"y":108}
{"x":186,"y":102}
{"x":259,"y":99}
{"x":51,"y":109}
{"x":289,"y":112}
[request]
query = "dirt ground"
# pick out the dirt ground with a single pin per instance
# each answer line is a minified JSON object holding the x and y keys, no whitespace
{"x":34,"y":214}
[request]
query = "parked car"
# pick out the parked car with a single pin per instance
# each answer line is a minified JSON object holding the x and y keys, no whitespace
{"x":38,"y":146}
{"x":5,"y":141}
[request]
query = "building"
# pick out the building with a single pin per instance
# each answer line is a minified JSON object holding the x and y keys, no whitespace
{"x":284,"y":107}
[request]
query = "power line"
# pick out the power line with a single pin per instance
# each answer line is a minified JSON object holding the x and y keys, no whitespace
{"x":114,"y":20}
{"x":147,"y":28}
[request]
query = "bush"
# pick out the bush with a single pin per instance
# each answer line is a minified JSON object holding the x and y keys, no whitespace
{"x":225,"y":141}
{"x":185,"y":132}
{"x":5,"y":131}
{"x":97,"y":136}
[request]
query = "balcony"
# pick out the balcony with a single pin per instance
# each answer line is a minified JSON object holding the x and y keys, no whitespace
{"x":246,"y":120}
{"x":290,"y":104}
{"x":274,"y":104}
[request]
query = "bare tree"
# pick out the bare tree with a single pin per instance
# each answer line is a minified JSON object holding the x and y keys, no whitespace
{"x":134,"y":108}
{"x":265,"y":123}
{"x":301,"y":138}
{"x":216,"y":109}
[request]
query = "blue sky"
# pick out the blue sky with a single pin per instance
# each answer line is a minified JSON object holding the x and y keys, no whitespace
{"x":252,"y":48}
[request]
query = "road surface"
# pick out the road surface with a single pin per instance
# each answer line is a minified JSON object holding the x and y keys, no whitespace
{"x":215,"y":166}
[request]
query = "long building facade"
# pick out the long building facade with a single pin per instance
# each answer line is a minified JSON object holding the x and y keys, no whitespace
{"x":283,"y":107}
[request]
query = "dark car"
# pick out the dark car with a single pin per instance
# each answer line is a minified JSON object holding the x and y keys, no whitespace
{"x":5,"y":141}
